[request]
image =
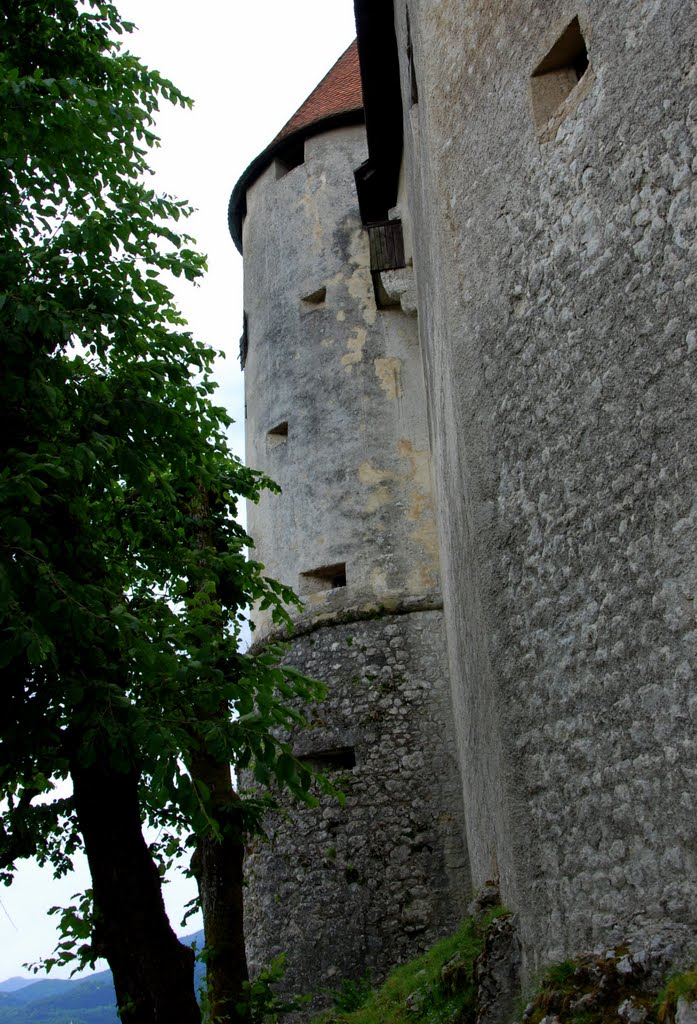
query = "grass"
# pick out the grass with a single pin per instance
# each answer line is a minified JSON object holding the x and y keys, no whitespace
{"x":438,"y":988}
{"x":678,"y":986}
{"x":421,"y":991}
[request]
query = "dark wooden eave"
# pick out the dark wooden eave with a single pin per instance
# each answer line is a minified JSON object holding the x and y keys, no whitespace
{"x":377,"y":180}
{"x":335,"y":102}
{"x":237,"y":207}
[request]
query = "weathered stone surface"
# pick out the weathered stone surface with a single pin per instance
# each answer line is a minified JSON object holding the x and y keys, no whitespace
{"x":557,"y":304}
{"x":606,"y":985}
{"x":497,"y":973}
{"x":336,"y":414}
{"x":686,"y":1011}
{"x":455,"y":974}
{"x":350,"y":891}
{"x":415,"y":1002}
{"x":555,"y":258}
{"x":487,"y":897}
{"x":400,"y":287}
{"x":632,"y":1012}
{"x":347,"y":381}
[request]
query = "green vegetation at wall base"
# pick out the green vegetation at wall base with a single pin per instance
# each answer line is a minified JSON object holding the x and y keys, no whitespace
{"x":607,"y":989}
{"x":437,"y":987}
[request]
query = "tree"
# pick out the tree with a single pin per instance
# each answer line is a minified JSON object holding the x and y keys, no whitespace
{"x":123,"y":575}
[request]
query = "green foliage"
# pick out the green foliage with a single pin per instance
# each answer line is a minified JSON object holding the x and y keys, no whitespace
{"x":123,"y":573}
{"x":678,"y":986}
{"x":560,"y":975}
{"x":76,"y":926}
{"x":435,"y":988}
{"x":264,"y":1006}
{"x":351,"y":995}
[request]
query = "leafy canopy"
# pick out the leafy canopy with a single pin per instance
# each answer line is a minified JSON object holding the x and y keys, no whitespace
{"x":123,"y":576}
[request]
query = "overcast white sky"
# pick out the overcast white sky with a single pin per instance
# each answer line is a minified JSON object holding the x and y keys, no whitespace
{"x":249,"y":66}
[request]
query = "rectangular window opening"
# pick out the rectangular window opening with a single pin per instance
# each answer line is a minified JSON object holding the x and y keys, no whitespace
{"x":290,"y":158}
{"x":383,"y":300}
{"x":244,"y":342}
{"x":277,"y":435}
{"x":316,"y":298}
{"x":413,"y":86}
{"x":558,"y":73}
{"x":338,"y":759}
{"x":326,"y":577}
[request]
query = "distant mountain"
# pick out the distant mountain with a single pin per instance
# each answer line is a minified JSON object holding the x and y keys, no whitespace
{"x":13,"y":984}
{"x":85,"y":1001}
{"x":42,"y":989}
{"x":88,"y":1000}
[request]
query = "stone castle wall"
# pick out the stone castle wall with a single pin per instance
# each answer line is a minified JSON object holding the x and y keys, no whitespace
{"x":336,"y":415}
{"x":346,"y":380}
{"x":547,"y":388}
{"x":555,"y":263}
{"x":347,"y":892}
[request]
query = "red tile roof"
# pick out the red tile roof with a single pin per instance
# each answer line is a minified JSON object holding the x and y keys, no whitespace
{"x":337,"y":100}
{"x":338,"y":93}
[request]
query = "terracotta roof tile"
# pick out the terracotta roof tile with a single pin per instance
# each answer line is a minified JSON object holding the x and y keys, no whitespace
{"x":338,"y":93}
{"x":337,"y":100}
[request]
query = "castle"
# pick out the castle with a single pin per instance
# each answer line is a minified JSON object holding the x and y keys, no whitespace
{"x":469,"y":343}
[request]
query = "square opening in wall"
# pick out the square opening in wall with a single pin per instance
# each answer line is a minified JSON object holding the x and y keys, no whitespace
{"x":316,"y":298}
{"x":292,"y":156}
{"x":413,"y":86}
{"x":339,"y":759}
{"x":244,"y":342}
{"x":558,"y":73}
{"x":326,"y":577}
{"x":277,"y":435}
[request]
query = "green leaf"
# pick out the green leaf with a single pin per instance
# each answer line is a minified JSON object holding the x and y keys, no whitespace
{"x":124,"y":577}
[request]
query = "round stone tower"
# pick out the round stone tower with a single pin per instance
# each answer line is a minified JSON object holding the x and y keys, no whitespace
{"x":336,"y":414}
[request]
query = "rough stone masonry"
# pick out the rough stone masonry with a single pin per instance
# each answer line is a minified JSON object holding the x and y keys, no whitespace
{"x":336,"y":415}
{"x":555,"y":267}
{"x":538,"y":158}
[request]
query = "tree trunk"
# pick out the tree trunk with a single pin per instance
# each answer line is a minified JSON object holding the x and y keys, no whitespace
{"x":218,"y":866}
{"x":153,"y":972}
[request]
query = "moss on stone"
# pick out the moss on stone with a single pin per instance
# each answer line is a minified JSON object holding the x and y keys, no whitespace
{"x":591,"y":990}
{"x":607,"y":989}
{"x":440,"y":987}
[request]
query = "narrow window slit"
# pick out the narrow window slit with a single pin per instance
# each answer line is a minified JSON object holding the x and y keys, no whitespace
{"x":413,"y":85}
{"x":316,"y":298}
{"x":244,"y":342}
{"x":326,"y":577}
{"x":338,"y":759}
{"x":277,"y":435}
{"x":558,"y":73}
{"x":290,"y":158}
